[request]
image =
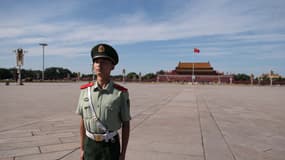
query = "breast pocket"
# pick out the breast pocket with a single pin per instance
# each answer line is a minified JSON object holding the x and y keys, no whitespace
{"x":87,"y":112}
{"x":111,"y":113}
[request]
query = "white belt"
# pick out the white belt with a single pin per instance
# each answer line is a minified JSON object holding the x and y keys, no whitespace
{"x":101,"y":137}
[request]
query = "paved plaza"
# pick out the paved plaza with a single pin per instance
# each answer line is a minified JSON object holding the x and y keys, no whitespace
{"x":169,"y":121}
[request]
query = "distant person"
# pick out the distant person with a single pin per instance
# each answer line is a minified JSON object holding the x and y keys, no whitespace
{"x":104,"y":107}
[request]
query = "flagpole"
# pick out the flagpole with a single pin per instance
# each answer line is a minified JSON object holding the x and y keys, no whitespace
{"x":196,"y":50}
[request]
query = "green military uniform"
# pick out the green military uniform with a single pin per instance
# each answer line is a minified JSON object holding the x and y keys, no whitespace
{"x":112,"y":107}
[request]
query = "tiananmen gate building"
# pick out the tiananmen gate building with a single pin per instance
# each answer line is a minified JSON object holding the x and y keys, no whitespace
{"x":198,"y":72}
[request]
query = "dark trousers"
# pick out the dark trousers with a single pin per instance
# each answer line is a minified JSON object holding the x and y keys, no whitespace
{"x":101,"y":150}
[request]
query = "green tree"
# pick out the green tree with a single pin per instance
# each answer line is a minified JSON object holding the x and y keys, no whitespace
{"x":160,"y":72}
{"x":5,"y":74}
{"x":241,"y":77}
{"x":132,"y":76}
{"x":14,"y":73}
{"x":55,"y":73}
{"x":149,"y":76}
{"x":31,"y":75}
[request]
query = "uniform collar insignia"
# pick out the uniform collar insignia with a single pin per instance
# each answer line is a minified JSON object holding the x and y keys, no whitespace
{"x":108,"y":88}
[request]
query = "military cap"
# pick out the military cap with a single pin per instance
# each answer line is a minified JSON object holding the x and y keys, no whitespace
{"x":104,"y":51}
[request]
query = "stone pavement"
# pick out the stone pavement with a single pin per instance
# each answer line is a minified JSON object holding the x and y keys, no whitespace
{"x":170,"y":121}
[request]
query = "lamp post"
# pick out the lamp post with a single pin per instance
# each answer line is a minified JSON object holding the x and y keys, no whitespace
{"x":43,"y":73}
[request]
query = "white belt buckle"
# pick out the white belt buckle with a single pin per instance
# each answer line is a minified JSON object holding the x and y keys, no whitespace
{"x":98,"y":138}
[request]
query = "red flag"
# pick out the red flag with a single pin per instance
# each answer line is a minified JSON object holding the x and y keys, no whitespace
{"x":196,"y":50}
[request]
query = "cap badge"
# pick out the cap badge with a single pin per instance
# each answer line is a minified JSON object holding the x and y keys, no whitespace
{"x":101,"y":49}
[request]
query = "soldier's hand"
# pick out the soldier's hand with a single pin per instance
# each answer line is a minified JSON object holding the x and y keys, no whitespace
{"x":122,"y":157}
{"x":81,"y":154}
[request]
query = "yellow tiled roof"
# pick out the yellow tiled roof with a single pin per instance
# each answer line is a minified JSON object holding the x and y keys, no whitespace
{"x":186,"y":65}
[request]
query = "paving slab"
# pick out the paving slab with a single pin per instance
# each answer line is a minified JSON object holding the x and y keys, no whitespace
{"x":59,"y":147}
{"x":44,"y":156}
{"x":214,"y":142}
{"x":169,"y":121}
{"x":19,"y":152}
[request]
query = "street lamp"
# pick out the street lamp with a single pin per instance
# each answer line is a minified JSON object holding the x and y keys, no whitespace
{"x":43,"y":45}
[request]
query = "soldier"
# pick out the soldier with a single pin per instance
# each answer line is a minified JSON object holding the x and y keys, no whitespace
{"x":104,"y":107}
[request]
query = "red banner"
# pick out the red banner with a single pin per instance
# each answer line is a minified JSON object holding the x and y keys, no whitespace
{"x":196,"y":50}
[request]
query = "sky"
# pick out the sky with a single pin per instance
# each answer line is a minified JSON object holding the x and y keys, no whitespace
{"x":149,"y":35}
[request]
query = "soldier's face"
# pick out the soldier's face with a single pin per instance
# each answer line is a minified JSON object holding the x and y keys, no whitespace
{"x":103,"y":67}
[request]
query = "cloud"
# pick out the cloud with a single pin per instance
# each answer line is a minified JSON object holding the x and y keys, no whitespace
{"x":196,"y":19}
{"x":220,"y":28}
{"x":208,"y":19}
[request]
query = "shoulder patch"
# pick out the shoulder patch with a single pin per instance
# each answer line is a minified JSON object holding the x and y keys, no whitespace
{"x":121,"y":88}
{"x":87,"y":85}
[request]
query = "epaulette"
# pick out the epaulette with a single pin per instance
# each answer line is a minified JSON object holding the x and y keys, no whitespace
{"x":87,"y":85}
{"x":120,"y":88}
